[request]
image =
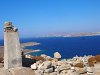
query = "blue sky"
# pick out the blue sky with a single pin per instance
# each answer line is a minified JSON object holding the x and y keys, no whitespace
{"x":37,"y":17}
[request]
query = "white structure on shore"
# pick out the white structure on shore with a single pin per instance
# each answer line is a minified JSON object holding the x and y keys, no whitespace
{"x":12,"y":51}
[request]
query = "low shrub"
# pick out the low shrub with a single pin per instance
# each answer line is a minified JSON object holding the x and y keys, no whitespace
{"x":97,"y":58}
{"x":38,"y":58}
{"x":92,"y":59}
{"x":80,"y":65}
{"x":91,"y":64}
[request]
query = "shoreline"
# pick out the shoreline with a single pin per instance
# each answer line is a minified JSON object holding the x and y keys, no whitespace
{"x":23,"y":45}
{"x":26,"y":51}
{"x":66,"y":36}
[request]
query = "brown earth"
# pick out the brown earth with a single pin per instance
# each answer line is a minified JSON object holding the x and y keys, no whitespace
{"x":1,"y":53}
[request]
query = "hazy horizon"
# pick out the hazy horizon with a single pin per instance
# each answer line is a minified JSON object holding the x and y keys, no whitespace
{"x":40,"y":17}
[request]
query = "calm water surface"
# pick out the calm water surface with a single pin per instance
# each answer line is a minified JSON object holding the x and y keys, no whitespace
{"x":68,"y":47}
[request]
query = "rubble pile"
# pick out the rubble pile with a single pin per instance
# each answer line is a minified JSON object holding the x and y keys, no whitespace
{"x":63,"y":67}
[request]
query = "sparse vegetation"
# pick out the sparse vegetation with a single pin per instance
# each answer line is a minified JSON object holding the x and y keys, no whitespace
{"x":80,"y":65}
{"x":91,"y":64}
{"x":92,"y":61}
{"x":97,"y":58}
{"x":38,"y":58}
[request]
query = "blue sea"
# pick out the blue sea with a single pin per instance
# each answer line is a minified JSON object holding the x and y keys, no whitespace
{"x":68,"y":47}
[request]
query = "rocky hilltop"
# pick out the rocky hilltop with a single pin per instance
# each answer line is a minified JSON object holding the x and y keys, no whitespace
{"x":87,"y":65}
{"x":46,"y":65}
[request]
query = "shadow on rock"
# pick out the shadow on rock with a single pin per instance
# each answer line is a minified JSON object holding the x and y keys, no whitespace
{"x":27,"y":62}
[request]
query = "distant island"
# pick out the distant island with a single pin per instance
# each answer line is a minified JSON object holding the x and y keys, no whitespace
{"x":23,"y":48}
{"x":65,"y":34}
{"x":26,"y":51}
{"x":23,"y":45}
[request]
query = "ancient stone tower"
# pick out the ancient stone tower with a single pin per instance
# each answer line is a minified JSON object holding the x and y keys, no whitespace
{"x":12,"y":51}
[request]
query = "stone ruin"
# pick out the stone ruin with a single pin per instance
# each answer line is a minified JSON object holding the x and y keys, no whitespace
{"x":12,"y":51}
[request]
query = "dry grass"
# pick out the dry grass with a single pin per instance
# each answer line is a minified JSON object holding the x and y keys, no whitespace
{"x":92,"y":61}
{"x":37,"y":58}
{"x":1,"y":54}
{"x":97,"y":58}
{"x":91,"y":64}
{"x":80,"y":65}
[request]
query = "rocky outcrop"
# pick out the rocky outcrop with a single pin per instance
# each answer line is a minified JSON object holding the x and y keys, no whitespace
{"x":80,"y":70}
{"x":75,"y":66}
{"x":57,"y":55}
{"x":55,"y":67}
{"x":17,"y":71}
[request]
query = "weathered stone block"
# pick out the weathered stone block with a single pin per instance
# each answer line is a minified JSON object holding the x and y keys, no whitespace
{"x":12,"y":51}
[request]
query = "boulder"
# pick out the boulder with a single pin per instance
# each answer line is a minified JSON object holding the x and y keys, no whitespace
{"x":34,"y":66}
{"x":57,"y":69}
{"x":39,"y":62}
{"x":90,"y":71}
{"x":63,"y":72}
{"x":80,"y":70}
{"x":50,"y":70}
{"x":59,"y":63}
{"x":64,"y":67}
{"x":40,"y":67}
{"x":39,"y":72}
{"x":54,"y":60}
{"x":57,"y":55}
{"x":54,"y":64}
{"x":71,"y":72}
{"x":46,"y":64}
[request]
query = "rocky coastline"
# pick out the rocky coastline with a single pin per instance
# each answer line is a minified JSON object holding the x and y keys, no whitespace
{"x":23,"y":48}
